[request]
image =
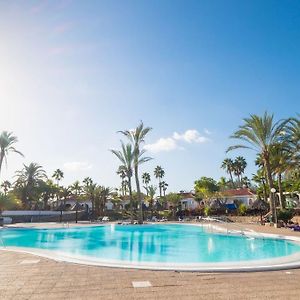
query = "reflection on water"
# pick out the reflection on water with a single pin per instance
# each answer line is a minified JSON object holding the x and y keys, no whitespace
{"x":149,"y":243}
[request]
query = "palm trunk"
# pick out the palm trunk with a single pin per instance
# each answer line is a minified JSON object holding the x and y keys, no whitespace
{"x":265,"y":190}
{"x":138,"y":189}
{"x":93,"y":206}
{"x":76,"y":216}
{"x":281,"y":197}
{"x":1,"y":160}
{"x":231,"y":178}
{"x":130,"y":199}
{"x":271,"y":185}
{"x":159,"y":184}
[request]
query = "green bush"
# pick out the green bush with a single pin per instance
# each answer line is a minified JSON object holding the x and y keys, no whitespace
{"x":242,"y":209}
{"x":207,"y":210}
{"x":285,"y":215}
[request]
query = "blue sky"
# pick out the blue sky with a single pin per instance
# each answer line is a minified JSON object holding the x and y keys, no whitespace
{"x":75,"y":72}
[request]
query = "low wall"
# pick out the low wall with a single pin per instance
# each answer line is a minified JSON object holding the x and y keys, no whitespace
{"x":66,"y":217}
{"x":255,"y":219}
{"x":245,"y":219}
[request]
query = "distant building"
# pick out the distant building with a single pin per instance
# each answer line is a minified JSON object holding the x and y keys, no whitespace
{"x":242,"y":195}
{"x":188,"y":201}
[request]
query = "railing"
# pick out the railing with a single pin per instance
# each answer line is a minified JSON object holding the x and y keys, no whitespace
{"x":230,"y":228}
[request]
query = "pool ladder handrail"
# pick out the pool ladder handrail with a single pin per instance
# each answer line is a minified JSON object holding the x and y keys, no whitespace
{"x":244,"y":231}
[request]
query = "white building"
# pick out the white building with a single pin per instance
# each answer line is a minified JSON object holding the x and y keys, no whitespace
{"x":243,"y":195}
{"x":188,"y":201}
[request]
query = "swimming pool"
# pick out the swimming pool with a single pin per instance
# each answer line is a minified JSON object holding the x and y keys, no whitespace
{"x":163,"y":246}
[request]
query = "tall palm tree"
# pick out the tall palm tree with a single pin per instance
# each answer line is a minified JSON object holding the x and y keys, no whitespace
{"x":76,"y":189}
{"x":228,"y":166}
{"x":7,"y":141}
{"x":58,"y":175}
{"x":281,"y":162}
{"x":159,"y":173}
{"x":6,"y":185}
{"x":293,"y":130}
{"x":137,"y":138}
{"x":239,"y":166}
{"x":164,"y":187}
{"x":260,"y":134}
{"x":146,"y":180}
{"x":127,"y":157}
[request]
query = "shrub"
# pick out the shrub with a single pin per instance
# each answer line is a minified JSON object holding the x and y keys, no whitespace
{"x":207,"y":210}
{"x":242,"y":209}
{"x":285,"y":215}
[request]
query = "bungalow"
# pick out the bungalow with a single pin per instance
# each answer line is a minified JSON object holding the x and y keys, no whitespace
{"x":188,"y":201}
{"x":242,"y":195}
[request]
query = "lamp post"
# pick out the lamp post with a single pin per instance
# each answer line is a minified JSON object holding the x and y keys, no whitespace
{"x":273,"y":191}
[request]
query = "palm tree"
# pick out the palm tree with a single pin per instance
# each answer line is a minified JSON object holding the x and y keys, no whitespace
{"x":164,"y":187}
{"x":6,"y":185}
{"x":137,"y":138}
{"x":146,"y":180}
{"x":281,"y":162}
{"x":127,"y":157}
{"x":151,"y":190}
{"x":239,"y":166}
{"x":222,"y":183}
{"x":47,"y":190}
{"x":260,"y":178}
{"x":27,"y":183}
{"x":228,"y":166}
{"x":7,"y":141}
{"x":245,"y":182}
{"x":103,"y":195}
{"x":293,"y":130}
{"x":260,"y":134}
{"x":76,"y":188}
{"x":159,"y":173}
{"x":58,"y":175}
{"x":122,"y":175}
{"x":87,"y":181}
{"x":65,"y":193}
{"x":90,"y":191}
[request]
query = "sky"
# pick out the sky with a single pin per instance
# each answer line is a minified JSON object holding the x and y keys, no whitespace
{"x":73,"y":73}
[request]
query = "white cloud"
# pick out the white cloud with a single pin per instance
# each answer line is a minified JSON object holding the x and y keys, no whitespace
{"x":206,"y":131}
{"x":190,"y":136}
{"x":75,"y":166}
{"x":163,"y":144}
{"x":173,"y":142}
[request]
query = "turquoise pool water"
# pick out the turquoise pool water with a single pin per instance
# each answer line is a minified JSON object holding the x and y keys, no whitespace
{"x":149,"y":243}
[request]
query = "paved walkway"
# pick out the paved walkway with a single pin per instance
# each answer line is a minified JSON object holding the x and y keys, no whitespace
{"x":24,"y":276}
